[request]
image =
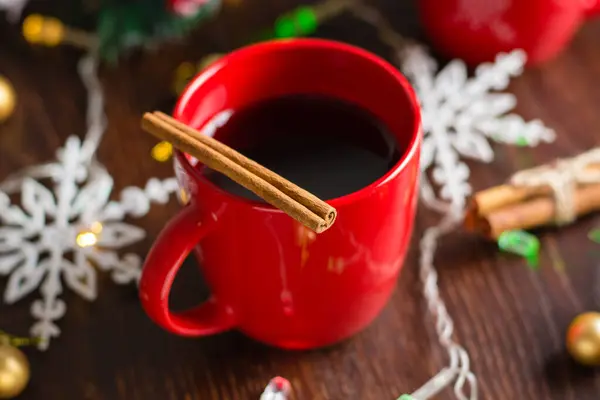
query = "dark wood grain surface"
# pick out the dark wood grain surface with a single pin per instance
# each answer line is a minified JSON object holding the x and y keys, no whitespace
{"x":511,"y":319}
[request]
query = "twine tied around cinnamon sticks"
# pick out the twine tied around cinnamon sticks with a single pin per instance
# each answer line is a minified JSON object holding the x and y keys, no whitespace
{"x":562,"y":177}
{"x":555,"y":193}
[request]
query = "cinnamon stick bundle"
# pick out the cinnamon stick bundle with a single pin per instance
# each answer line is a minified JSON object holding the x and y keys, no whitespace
{"x":298,"y":203}
{"x":508,"y":207}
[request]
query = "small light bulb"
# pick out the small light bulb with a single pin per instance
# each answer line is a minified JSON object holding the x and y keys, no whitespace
{"x":43,"y":30}
{"x":162,"y":151}
{"x":33,"y":27}
{"x":86,"y":239}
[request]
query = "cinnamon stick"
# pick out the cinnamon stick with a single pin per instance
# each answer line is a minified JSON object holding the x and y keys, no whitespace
{"x":486,"y":201}
{"x":532,"y":213}
{"x":302,"y":196}
{"x":198,"y":146}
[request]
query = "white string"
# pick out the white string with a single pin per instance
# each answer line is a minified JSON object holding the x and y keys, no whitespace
{"x":459,"y":362}
{"x":96,"y":126}
{"x":459,"y":358}
{"x":13,"y":8}
{"x":96,"y":117}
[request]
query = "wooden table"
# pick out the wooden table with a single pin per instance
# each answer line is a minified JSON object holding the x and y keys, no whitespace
{"x":511,"y":319}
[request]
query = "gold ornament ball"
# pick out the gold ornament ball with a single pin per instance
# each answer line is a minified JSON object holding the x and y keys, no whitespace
{"x":8,"y":99}
{"x":14,"y":371}
{"x":583,"y":339}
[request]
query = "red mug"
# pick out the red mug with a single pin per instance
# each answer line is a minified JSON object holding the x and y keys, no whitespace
{"x":270,"y":277}
{"x":477,"y":30}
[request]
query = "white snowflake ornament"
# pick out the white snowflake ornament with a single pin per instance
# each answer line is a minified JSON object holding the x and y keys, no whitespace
{"x":460,"y":114}
{"x":60,"y":237}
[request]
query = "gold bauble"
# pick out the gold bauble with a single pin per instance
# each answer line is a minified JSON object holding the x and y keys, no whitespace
{"x":583,"y":339}
{"x":14,"y":371}
{"x":8,"y":99}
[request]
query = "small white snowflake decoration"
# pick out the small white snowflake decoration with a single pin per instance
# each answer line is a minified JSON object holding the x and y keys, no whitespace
{"x":60,"y":237}
{"x":460,"y":114}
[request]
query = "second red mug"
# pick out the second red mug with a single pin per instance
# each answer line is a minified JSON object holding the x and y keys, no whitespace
{"x":270,"y":277}
{"x":477,"y":30}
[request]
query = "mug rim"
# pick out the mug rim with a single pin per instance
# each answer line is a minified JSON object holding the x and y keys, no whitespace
{"x":393,"y":172}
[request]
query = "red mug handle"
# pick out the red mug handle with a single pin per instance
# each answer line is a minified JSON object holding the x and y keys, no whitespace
{"x":170,"y":249}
